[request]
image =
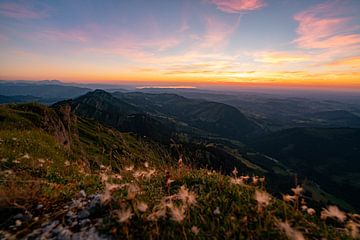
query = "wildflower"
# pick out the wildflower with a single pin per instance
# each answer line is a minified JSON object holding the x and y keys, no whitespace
{"x":236,"y":181}
{"x":14,"y":139}
{"x":16,"y":161}
{"x":133,"y":190}
{"x":217,"y":211}
{"x":304,"y":207}
{"x":245,"y":178}
{"x":67,"y":163}
{"x":289,"y":231}
{"x":186,"y":196}
{"x":4,"y":160}
{"x":139,"y":174}
{"x":180,"y":162}
{"x":124,"y":215}
{"x":106,"y":196}
{"x":262,"y":179}
{"x":117,"y":176}
{"x":8,"y":172}
{"x":255,"y":180}
{"x":297,"y":190}
{"x":333,"y":212}
{"x":263,"y":198}
{"x":169,"y":181}
{"x":40,"y":160}
{"x":311,"y":211}
{"x":142,"y":206}
{"x":235,"y":172}
{"x":146,"y":164}
{"x":157,"y":214}
{"x":177,"y":213}
{"x":353,"y":228}
{"x":195,"y":230}
{"x":104,"y":177}
{"x":26,"y":156}
{"x":150,"y":173}
{"x":288,"y":198}
{"x":129,"y":168}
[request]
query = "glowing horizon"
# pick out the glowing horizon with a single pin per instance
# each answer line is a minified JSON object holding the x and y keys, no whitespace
{"x":312,"y":43}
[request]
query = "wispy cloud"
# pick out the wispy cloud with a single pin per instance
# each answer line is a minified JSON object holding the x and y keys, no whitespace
{"x":134,"y":48}
{"x":350,"y":62}
{"x":322,"y":27}
{"x":21,"y":11}
{"x":217,"y":32}
{"x":281,"y":57}
{"x":237,"y":6}
{"x":61,"y":36}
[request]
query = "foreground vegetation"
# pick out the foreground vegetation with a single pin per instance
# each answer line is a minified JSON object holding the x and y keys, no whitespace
{"x":125,"y":187}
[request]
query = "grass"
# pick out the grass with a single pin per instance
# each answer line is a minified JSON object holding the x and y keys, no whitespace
{"x":37,"y":169}
{"x":239,"y":216}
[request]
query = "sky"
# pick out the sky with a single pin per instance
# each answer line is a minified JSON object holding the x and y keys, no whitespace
{"x":307,"y":43}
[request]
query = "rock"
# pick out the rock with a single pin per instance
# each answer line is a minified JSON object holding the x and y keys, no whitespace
{"x":95,"y":204}
{"x":82,"y":193}
{"x":22,"y":218}
{"x":18,"y":223}
{"x":85,"y":222}
{"x":40,"y":206}
{"x":65,"y":234}
{"x":74,"y":224}
{"x":19,"y":216}
{"x":57,"y":230}
{"x":83,"y":214}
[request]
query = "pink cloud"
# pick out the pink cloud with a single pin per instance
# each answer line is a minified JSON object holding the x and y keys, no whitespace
{"x":135,"y":48}
{"x":217,"y":32}
{"x":58,"y":35}
{"x":3,"y":38}
{"x":236,"y":6}
{"x":322,"y":27}
{"x":20,"y":11}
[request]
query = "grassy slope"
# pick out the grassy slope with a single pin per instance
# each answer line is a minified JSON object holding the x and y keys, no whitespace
{"x":35,"y":169}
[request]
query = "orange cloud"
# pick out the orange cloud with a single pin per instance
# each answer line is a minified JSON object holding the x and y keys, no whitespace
{"x":277,"y":57}
{"x":322,"y":27}
{"x":20,"y":11}
{"x":236,"y":6}
{"x":352,"y":62}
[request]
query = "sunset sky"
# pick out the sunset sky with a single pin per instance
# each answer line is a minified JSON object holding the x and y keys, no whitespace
{"x":251,"y":42}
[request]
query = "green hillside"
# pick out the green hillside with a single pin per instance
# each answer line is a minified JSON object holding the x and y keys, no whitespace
{"x":64,"y":176}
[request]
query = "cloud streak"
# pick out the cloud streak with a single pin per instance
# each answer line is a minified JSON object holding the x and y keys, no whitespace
{"x":217,"y":32}
{"x":237,"y":6}
{"x":322,"y":27}
{"x":20,"y":11}
{"x":350,"y":62}
{"x":281,"y":57}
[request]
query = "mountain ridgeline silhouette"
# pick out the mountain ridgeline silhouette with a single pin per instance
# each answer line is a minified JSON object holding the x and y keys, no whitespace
{"x":166,"y":113}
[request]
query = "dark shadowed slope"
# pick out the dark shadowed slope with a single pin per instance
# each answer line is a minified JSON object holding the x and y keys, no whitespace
{"x":101,"y":106}
{"x":330,"y":156}
{"x":214,"y":117}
